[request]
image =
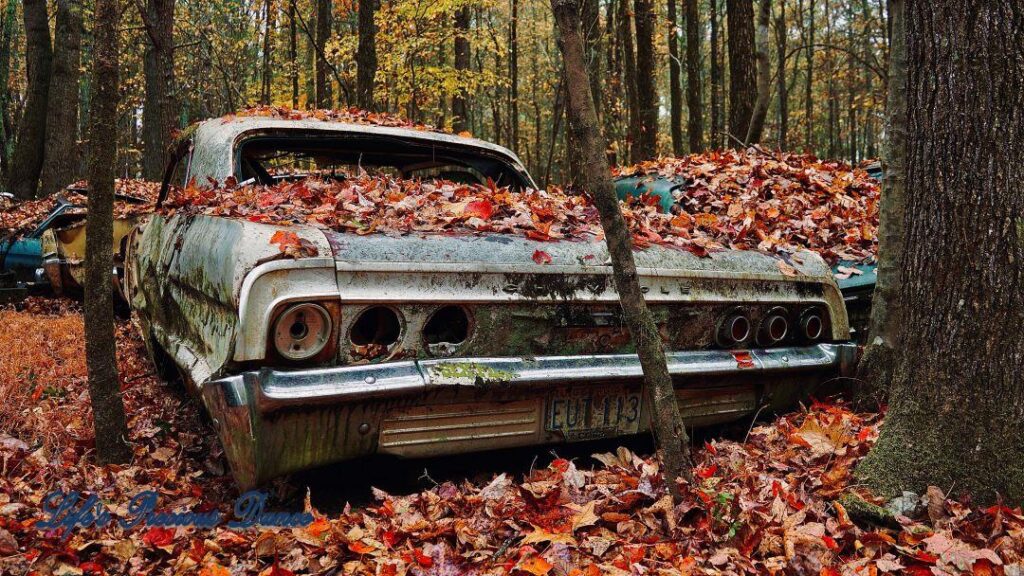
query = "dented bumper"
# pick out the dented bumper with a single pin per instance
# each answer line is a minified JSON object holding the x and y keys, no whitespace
{"x":274,"y":422}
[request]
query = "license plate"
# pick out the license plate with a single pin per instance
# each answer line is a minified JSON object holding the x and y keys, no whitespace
{"x":594,"y":413}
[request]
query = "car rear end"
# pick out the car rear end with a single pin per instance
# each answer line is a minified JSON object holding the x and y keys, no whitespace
{"x":432,"y":345}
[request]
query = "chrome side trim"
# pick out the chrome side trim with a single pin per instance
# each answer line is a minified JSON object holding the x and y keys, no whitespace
{"x":269,"y":390}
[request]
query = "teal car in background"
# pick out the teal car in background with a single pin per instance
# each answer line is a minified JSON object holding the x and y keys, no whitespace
{"x":856,"y":280}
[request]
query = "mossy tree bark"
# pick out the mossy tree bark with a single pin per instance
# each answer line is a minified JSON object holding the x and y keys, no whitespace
{"x":956,"y":416}
{"x":665,"y":419}
{"x":100,"y":352}
{"x":876,"y":366}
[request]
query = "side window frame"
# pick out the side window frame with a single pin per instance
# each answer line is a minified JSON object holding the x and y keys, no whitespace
{"x":183,"y":150}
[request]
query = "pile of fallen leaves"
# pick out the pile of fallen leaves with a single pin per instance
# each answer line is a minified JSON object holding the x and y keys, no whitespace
{"x":367,"y":204}
{"x":772,"y":504}
{"x":350,"y":115}
{"x":755,"y":200}
{"x":134,"y":198}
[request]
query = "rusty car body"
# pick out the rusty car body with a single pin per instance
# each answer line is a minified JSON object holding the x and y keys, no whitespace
{"x":424,"y":345}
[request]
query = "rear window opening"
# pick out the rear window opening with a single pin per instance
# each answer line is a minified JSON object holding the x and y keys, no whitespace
{"x":269,"y":159}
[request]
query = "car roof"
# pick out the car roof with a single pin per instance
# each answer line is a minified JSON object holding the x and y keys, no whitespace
{"x":218,"y":136}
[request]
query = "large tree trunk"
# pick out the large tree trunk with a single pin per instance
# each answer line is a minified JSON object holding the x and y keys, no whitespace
{"x":668,"y":426}
{"x":956,"y":411}
{"x":625,"y":33}
{"x":27,"y":160}
{"x":876,"y":365}
{"x":158,"y":109}
{"x":460,"y":106}
{"x":646,"y":80}
{"x":322,"y":83}
{"x":100,"y":354}
{"x":694,"y":92}
{"x":764,"y":85}
{"x":742,"y":67}
{"x":366,"y":56}
{"x":716,"y":77}
{"x":675,"y":85}
{"x":780,"y":76}
{"x":60,"y":160}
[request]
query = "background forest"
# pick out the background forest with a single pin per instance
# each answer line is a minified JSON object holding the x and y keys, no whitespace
{"x":672,"y":77}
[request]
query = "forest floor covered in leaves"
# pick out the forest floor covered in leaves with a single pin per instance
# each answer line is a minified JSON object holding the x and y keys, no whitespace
{"x":770,"y":503}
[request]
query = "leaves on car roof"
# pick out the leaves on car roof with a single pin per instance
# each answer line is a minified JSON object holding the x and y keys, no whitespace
{"x":137,"y":197}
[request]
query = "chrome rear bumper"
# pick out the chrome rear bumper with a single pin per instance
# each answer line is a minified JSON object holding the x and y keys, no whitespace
{"x":277,"y":421}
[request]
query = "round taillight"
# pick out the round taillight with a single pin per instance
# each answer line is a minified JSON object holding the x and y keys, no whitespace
{"x":302,"y":331}
{"x":812,"y":325}
{"x":774,"y":329}
{"x":734,"y":330}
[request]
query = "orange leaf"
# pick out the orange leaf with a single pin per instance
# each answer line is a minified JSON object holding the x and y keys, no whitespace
{"x":535,"y":565}
{"x":541,"y":257}
{"x":360,"y":548}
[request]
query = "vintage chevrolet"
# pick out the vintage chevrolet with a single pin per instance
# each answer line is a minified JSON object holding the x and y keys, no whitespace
{"x":478,"y":346}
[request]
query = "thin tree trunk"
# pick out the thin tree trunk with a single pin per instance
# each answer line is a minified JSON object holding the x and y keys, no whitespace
{"x":694,"y":88}
{"x":460,"y":110}
{"x":629,"y":80}
{"x":830,"y":85}
{"x":876,"y":365}
{"x":158,"y":108}
{"x":592,"y":40}
{"x":675,"y":86}
{"x":100,"y":353}
{"x":668,"y":425}
{"x":322,"y":84}
{"x":764,"y":86}
{"x":742,"y":67}
{"x":366,"y":56}
{"x":646,"y":80}
{"x":6,"y":136}
{"x":27,"y":160}
{"x":60,"y":160}
{"x":780,"y":48}
{"x":513,"y":77}
{"x":956,"y":410}
{"x":717,"y":91}
{"x":267,"y":76}
{"x":293,"y":53}
{"x":808,"y":92}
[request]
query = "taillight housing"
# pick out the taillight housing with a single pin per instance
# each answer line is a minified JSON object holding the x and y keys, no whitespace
{"x":813,"y":324}
{"x":733,"y":330}
{"x":774,"y":327}
{"x":303,"y":331}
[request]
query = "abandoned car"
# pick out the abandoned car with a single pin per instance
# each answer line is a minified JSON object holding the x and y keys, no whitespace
{"x":479,"y":345}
